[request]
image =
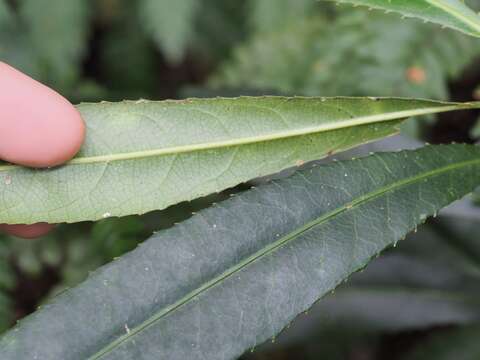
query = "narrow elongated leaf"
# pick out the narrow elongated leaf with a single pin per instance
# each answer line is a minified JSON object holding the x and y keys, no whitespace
{"x":234,"y":275}
{"x":449,"y":13}
{"x":149,"y":155}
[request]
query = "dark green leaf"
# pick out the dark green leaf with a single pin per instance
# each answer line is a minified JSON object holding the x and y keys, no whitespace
{"x":234,"y":275}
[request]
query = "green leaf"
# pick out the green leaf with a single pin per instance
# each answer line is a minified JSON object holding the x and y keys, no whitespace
{"x":448,"y":13}
{"x":234,"y":275}
{"x":15,"y":48}
{"x":298,"y":59}
{"x":408,"y":288}
{"x":377,"y":309}
{"x":408,"y":294}
{"x":475,"y":132}
{"x":171,"y":24}
{"x":57,"y":36}
{"x":5,"y":13}
{"x":459,"y":343}
{"x":455,"y":248}
{"x":142,"y":156}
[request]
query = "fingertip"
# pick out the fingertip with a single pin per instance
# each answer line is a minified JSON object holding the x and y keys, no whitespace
{"x":27,"y":231}
{"x":38,"y":127}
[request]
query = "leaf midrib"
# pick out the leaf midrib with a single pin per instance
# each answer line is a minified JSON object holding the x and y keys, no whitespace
{"x":436,"y":3}
{"x":362,"y":120}
{"x":445,"y":7}
{"x":269,"y":249}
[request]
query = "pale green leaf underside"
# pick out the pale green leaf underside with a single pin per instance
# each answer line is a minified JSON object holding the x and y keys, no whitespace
{"x":449,"y":13}
{"x":234,"y":275}
{"x":143,"y":156}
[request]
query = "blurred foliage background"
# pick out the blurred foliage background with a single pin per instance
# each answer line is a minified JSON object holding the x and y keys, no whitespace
{"x":419,"y":301}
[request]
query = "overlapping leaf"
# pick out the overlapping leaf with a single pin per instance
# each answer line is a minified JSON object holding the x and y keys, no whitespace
{"x":234,"y":275}
{"x":143,"y":156}
{"x":449,"y":13}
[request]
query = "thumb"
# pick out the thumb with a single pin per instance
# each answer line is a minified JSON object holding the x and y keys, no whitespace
{"x":27,"y":231}
{"x":38,"y":127}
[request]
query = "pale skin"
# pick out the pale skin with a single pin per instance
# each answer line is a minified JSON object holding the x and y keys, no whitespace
{"x":38,"y":128}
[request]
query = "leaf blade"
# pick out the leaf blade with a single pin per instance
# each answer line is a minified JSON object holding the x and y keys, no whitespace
{"x":449,"y":13}
{"x":236,"y":274}
{"x":66,"y":26}
{"x":146,"y":156}
{"x":170,"y":24}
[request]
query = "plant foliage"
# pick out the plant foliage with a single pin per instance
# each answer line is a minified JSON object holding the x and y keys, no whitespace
{"x":234,"y":275}
{"x":191,"y":148}
{"x":448,"y":13}
{"x":241,"y":269}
